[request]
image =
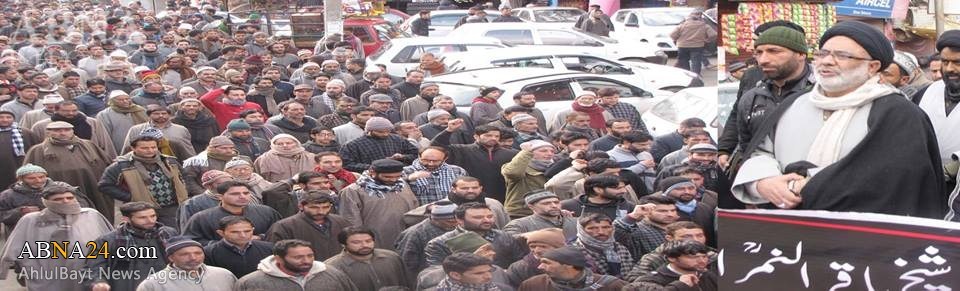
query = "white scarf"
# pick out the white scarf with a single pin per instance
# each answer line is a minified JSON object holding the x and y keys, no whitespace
{"x":825,"y":149}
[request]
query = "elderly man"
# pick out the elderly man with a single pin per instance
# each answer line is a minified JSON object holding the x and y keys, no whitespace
{"x":206,"y":81}
{"x":294,"y":120}
{"x":120,"y":115}
{"x":63,"y":220}
{"x":25,"y":195}
{"x":821,"y":136}
{"x":378,"y":143}
{"x":567,"y":267}
{"x":539,"y":242}
{"x":332,"y":93}
{"x":73,"y":160}
{"x":413,"y":240}
{"x":383,"y":104}
{"x":241,"y":135}
{"x":420,"y":103}
{"x":200,"y":123}
{"x":378,"y":199}
{"x":524,"y":174}
{"x":227,"y":103}
{"x":438,"y":121}
{"x":905,"y":74}
{"x":50,"y":104}
{"x":187,"y":271}
{"x":526,"y":126}
{"x":303,"y":94}
{"x":219,"y":151}
{"x":209,"y":199}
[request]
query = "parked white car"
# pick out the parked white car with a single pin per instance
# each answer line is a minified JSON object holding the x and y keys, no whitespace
{"x":403,"y":54}
{"x":575,"y":59}
{"x":556,"y":15}
{"x":548,"y":37}
{"x":555,"y":91}
{"x":666,"y":115}
{"x":442,"y":21}
{"x":651,"y":25}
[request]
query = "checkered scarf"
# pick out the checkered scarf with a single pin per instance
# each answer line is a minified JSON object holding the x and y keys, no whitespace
{"x":373,"y":188}
{"x":17,"y":138}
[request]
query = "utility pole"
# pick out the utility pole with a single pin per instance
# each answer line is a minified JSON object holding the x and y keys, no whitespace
{"x":938,"y":14}
{"x":332,"y":17}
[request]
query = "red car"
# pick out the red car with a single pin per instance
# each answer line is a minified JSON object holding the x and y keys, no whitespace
{"x":373,"y":31}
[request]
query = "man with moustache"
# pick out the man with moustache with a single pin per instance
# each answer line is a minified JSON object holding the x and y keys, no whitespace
{"x":687,"y":269}
{"x":187,"y":271}
{"x":477,"y":218}
{"x":378,"y":199}
{"x":781,"y":54}
{"x":234,"y":200}
{"x":292,"y":267}
{"x":369,"y":268}
{"x":315,"y":223}
{"x":465,"y":189}
{"x":939,"y":102}
{"x":546,"y":214}
{"x":237,"y":251}
{"x":842,"y":138}
{"x":139,"y":228}
{"x":414,"y":239}
{"x":420,"y":103}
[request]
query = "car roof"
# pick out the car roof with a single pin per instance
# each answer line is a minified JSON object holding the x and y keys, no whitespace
{"x":444,"y":40}
{"x":656,"y":9}
{"x":498,"y":76}
{"x":547,"y":8}
{"x":527,"y":52}
{"x":472,"y":28}
{"x":459,"y":11}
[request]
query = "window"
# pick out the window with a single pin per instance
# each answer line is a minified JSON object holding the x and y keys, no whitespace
{"x":593,"y":65}
{"x":560,"y":37}
{"x":665,"y":18}
{"x":411,"y":54}
{"x":525,"y":15}
{"x":558,"y":90}
{"x":445,"y":20}
{"x":514,"y":37}
{"x":362,"y":33}
{"x":621,"y":15}
{"x":632,"y":20}
{"x":558,"y":15}
{"x":624,"y":89}
{"x":525,"y":63}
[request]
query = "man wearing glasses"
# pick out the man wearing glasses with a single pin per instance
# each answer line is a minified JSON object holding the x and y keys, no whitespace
{"x":851,"y":143}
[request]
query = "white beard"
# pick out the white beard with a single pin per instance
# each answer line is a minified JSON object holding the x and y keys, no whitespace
{"x":845,"y":80}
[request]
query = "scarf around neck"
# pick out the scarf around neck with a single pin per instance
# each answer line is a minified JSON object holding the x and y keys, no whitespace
{"x":825,"y":149}
{"x":136,"y":112}
{"x":450,"y":285}
{"x":268,"y":95}
{"x":608,"y":246}
{"x":597,"y":121}
{"x":483,"y":100}
{"x":374,"y":188}
{"x":540,"y":165}
{"x":87,"y":150}
{"x":141,"y":164}
{"x":342,"y":175}
{"x":16,"y":137}
{"x":64,"y":214}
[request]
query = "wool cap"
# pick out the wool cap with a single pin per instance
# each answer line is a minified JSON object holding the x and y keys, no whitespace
{"x":229,"y":74}
{"x":51,"y":99}
{"x":443,"y":210}
{"x":549,"y":236}
{"x":212,"y":175}
{"x":521,"y":118}
{"x":387,"y":166}
{"x":303,"y":52}
{"x":488,"y":90}
{"x":950,"y":38}
{"x":703,"y":148}
{"x":236,"y":161}
{"x":668,"y":184}
{"x":785,"y":37}
{"x":436,"y":113}
{"x":117,"y":93}
{"x":254,"y":60}
{"x":537,"y":195}
{"x":380,"y":98}
{"x":114,"y":66}
{"x":867,"y":36}
{"x":188,"y":100}
{"x":311,"y":64}
{"x":906,"y":61}
{"x":29,"y":169}
{"x":337,"y":82}
{"x":299,"y":87}
{"x":59,"y":125}
{"x":567,"y":256}
{"x":152,"y":132}
{"x":186,"y":26}
{"x":238,"y":124}
{"x":177,"y":243}
{"x":378,"y":123}
{"x":466,"y":242}
{"x":206,"y":68}
{"x":219,"y":140}
{"x":329,"y":62}
{"x":536,"y":144}
{"x":425,"y":85}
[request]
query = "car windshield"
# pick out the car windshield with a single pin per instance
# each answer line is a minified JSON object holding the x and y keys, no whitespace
{"x":383,"y":48}
{"x":683,"y":105}
{"x":558,"y":15}
{"x":462,"y":94}
{"x":665,"y":18}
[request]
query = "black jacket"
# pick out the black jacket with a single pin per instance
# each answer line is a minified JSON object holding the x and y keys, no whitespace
{"x":482,"y":164}
{"x":671,"y":281}
{"x":751,"y":108}
{"x":221,"y":254}
{"x":579,"y":205}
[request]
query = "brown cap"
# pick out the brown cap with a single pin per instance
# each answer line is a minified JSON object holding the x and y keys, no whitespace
{"x":59,"y":125}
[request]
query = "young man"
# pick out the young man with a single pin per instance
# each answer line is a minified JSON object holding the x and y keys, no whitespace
{"x":234,"y":200}
{"x":139,"y":228}
{"x":687,"y":270}
{"x":187,"y":271}
{"x":368,"y":267}
{"x":291,"y":267}
{"x":315,"y":224}
{"x":567,"y":267}
{"x":237,"y":251}
{"x":467,"y":271}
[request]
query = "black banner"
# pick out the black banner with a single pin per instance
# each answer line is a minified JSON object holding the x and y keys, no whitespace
{"x":820,"y":250}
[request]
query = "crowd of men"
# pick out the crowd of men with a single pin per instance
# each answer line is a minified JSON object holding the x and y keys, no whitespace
{"x":247,"y":164}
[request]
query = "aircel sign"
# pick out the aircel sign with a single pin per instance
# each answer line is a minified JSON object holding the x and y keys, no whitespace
{"x":866,"y":8}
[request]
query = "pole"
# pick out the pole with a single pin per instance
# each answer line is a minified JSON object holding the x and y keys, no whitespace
{"x":332,"y":17}
{"x":938,"y":10}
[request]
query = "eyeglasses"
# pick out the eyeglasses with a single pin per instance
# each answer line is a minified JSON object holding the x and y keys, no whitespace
{"x":837,"y":55}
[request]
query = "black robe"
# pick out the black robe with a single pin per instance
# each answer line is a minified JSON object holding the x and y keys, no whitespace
{"x":11,"y":162}
{"x":895,"y":169}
